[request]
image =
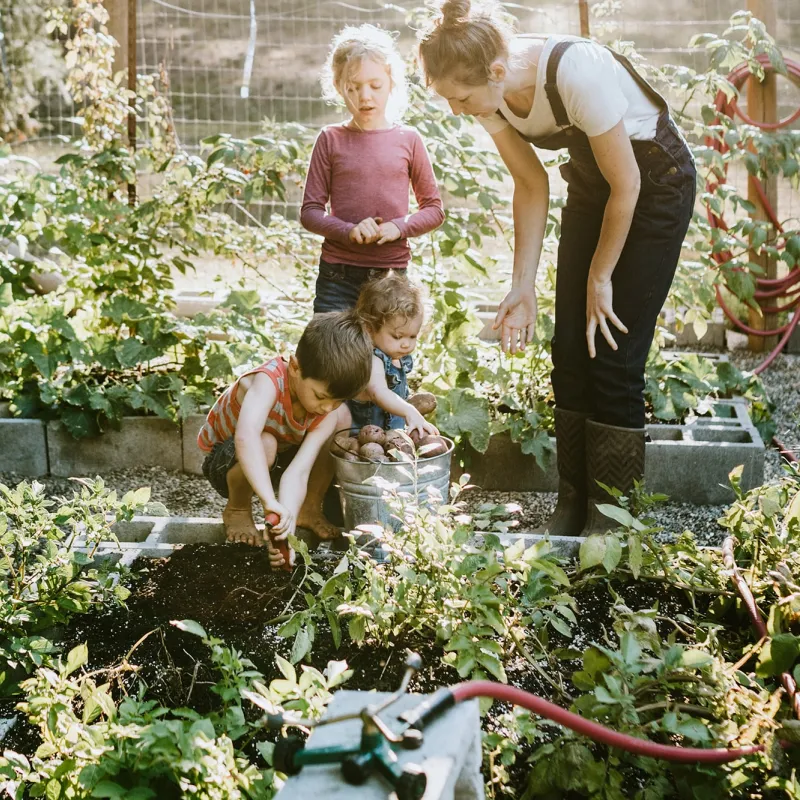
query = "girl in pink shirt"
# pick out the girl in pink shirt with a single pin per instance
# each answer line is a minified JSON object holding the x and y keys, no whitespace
{"x":362,"y":168}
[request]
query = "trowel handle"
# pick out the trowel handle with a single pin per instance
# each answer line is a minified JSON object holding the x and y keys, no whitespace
{"x":283,"y":546}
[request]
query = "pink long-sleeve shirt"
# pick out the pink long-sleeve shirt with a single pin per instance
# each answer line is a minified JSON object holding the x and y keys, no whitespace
{"x":366,"y":174}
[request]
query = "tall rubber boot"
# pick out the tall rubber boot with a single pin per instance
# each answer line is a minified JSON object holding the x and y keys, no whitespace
{"x":615,"y":457}
{"x":570,"y":513}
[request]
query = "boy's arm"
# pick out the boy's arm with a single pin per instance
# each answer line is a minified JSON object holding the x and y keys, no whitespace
{"x":257,"y":403}
{"x":380,"y":394}
{"x":430,"y":214}
{"x":313,"y":213}
{"x":294,"y":482}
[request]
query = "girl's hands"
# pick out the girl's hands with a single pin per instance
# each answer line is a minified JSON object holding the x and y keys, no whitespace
{"x":599,"y":310}
{"x":388,"y":232}
{"x":367,"y":231}
{"x":372,"y":230}
{"x":516,"y":317}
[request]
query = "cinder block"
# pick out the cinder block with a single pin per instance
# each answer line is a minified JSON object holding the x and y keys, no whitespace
{"x":193,"y":530}
{"x":141,"y":442}
{"x":450,"y":754}
{"x":135,"y":530}
{"x":192,"y":455}
{"x":690,"y":463}
{"x":562,"y":546}
{"x":23,"y":447}
{"x":504,"y":467}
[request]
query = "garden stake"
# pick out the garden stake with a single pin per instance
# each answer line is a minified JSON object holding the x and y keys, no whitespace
{"x":283,"y":545}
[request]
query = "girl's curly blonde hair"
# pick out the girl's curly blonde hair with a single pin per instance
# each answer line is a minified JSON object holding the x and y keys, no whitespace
{"x":348,"y":49}
{"x":386,"y":298}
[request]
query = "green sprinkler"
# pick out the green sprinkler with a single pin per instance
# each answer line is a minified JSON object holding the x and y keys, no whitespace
{"x":375,"y":752}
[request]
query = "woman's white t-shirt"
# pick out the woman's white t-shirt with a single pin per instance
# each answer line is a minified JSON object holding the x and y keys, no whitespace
{"x":596,"y":90}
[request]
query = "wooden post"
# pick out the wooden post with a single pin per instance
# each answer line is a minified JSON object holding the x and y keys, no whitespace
{"x":762,"y":106}
{"x":122,"y":26}
{"x":583,"y":9}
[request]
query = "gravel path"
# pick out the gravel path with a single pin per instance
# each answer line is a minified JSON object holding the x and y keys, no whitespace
{"x":189,"y":495}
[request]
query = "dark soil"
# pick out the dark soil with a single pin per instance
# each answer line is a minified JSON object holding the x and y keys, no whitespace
{"x":231,"y":591}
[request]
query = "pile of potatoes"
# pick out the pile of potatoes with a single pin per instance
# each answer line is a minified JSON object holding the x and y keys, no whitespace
{"x":375,"y":444}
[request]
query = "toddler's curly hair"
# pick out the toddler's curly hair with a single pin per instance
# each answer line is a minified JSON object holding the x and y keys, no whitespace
{"x":385,"y":298}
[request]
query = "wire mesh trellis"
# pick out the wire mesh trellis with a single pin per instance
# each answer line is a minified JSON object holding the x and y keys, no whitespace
{"x":233,"y":63}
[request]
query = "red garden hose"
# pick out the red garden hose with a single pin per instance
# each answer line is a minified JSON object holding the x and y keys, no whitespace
{"x":448,"y":696}
{"x":783,"y":288}
{"x":600,"y":733}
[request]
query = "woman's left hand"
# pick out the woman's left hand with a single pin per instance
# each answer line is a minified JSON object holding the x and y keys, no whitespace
{"x":599,"y":310}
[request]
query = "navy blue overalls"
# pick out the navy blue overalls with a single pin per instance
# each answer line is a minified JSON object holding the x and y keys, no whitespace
{"x":610,"y":387}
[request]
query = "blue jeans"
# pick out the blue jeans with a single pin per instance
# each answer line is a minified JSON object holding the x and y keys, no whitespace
{"x":338,"y":285}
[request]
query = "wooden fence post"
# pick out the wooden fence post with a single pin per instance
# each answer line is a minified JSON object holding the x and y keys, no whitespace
{"x":762,"y":106}
{"x":122,"y":26}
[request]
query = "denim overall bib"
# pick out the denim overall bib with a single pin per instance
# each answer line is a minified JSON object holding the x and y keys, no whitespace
{"x":610,"y":387}
{"x":366,"y":413}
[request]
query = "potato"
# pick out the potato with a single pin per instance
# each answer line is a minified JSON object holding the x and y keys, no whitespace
{"x":415,"y":436}
{"x":424,"y":402}
{"x":343,"y":443}
{"x":371,"y":451}
{"x":371,"y":434}
{"x":432,"y":446}
{"x":348,"y":456}
{"x":398,"y":440}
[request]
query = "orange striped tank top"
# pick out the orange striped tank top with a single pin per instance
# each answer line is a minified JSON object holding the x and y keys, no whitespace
{"x":221,"y":421}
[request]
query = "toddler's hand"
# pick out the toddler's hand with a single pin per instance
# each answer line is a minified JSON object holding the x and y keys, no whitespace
{"x":275,"y":555}
{"x":416,"y":422}
{"x":388,"y":232}
{"x":366,"y":232}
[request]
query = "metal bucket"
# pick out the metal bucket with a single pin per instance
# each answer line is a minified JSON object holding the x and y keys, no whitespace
{"x":363,"y":503}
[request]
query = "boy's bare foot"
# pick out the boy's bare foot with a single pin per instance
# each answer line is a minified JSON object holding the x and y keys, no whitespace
{"x":320,"y":525}
{"x":239,"y":527}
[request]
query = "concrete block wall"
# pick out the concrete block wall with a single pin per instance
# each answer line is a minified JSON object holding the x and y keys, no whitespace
{"x":689,"y":462}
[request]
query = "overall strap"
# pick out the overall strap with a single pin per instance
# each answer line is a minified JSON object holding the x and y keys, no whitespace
{"x":550,"y":86}
{"x":641,"y":82}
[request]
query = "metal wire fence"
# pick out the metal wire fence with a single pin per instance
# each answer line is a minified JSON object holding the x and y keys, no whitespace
{"x":233,"y":63}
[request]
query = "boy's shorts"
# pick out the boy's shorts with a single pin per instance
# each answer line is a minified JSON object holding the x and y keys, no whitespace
{"x":222,"y":458}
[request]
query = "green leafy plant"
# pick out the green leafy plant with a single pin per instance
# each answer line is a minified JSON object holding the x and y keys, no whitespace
{"x":45,"y":578}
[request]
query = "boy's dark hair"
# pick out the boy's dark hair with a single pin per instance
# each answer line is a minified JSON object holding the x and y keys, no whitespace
{"x":336,"y":350}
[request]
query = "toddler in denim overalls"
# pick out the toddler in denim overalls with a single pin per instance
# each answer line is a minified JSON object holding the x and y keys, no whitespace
{"x":391,"y":310}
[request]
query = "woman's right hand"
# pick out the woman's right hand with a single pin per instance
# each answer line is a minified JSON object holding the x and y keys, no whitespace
{"x":516,"y":318}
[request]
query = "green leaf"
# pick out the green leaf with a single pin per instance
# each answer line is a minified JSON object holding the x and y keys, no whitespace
{"x":301,"y":645}
{"x":629,"y":648}
{"x":592,"y":551}
{"x":462,"y":414}
{"x":694,"y":659}
{"x":77,"y":657}
{"x":625,"y":518}
{"x":778,"y":655}
{"x":635,"y":555}
{"x":287,"y":670}
{"x":190,"y":626}
{"x":613,"y":552}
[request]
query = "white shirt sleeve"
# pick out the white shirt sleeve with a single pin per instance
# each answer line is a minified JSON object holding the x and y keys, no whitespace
{"x":494,"y":123}
{"x":589,"y":85}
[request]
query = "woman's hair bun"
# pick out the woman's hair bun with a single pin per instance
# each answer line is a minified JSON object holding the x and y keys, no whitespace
{"x":455,"y":12}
